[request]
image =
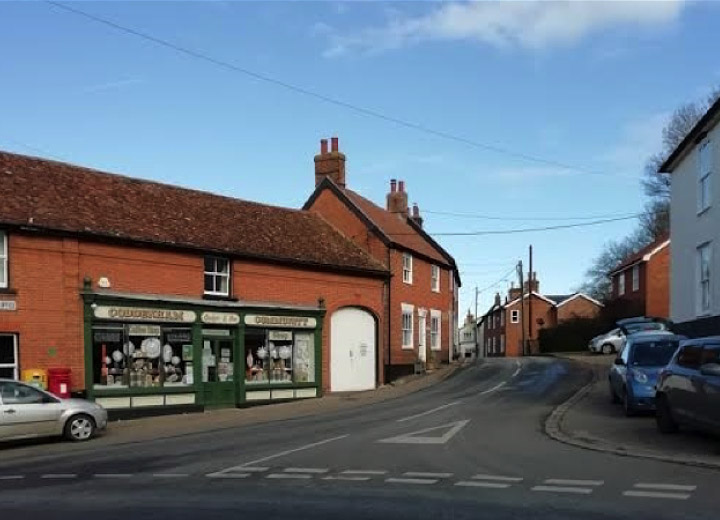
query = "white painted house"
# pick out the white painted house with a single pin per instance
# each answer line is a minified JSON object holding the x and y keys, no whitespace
{"x":467,"y":338}
{"x":695,"y":228}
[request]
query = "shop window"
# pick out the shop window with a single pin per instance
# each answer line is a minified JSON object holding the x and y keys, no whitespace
{"x":8,"y":356}
{"x":3,"y":260}
{"x":217,"y":276}
{"x":279,"y":357}
{"x":141,"y":356}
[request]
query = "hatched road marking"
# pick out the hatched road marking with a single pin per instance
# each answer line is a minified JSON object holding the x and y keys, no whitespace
{"x":364,"y":472}
{"x":290,"y":476}
{"x":567,"y":482}
{"x":306,"y":470}
{"x":479,"y":484}
{"x":422,"y":474}
{"x":560,"y":489}
{"x":499,"y":478}
{"x":411,"y":481}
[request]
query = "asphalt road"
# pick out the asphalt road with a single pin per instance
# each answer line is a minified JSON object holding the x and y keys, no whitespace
{"x":470,"y":447}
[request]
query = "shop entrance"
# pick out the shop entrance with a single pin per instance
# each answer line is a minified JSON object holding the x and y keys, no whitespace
{"x":218,"y":367}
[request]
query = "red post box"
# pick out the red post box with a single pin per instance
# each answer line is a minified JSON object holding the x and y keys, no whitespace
{"x":59,"y":382}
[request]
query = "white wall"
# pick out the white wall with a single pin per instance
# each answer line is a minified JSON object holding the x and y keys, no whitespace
{"x":689,"y":230}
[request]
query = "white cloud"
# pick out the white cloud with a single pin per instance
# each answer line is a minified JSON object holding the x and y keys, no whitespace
{"x":505,"y":23}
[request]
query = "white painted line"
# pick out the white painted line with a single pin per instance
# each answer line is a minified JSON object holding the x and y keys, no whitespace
{"x":656,"y":494}
{"x":493,"y":389}
{"x":519,"y":368}
{"x":411,"y":417}
{"x":306,"y":470}
{"x":112,"y":475}
{"x":422,"y":474}
{"x":410,"y":481}
{"x":12,"y":477}
{"x":415,"y":437}
{"x":297,"y":476}
{"x":170,"y":475}
{"x":227,"y":475}
{"x":665,"y":487}
{"x":364,"y":472}
{"x":254,"y":469}
{"x":59,"y":475}
{"x":350,"y":478}
{"x":499,"y":478}
{"x":487,"y":485}
{"x":287,"y":452}
{"x":568,"y":482}
{"x":558,"y":489}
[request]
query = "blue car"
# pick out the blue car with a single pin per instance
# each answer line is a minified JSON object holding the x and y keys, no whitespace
{"x":635,"y":372}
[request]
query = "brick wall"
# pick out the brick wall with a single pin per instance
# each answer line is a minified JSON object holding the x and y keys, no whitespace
{"x":541,"y":309}
{"x":633,"y":302}
{"x":658,"y":284}
{"x":577,"y":308}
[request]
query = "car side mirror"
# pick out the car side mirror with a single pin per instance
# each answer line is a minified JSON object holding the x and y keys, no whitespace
{"x":710,"y":369}
{"x":619,"y":362}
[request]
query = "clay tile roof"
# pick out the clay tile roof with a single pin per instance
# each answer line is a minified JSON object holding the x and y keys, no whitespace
{"x":63,"y":197}
{"x":639,"y":256}
{"x":396,"y":229}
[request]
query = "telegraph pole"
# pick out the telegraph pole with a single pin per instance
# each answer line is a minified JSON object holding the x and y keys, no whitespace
{"x":475,"y":327}
{"x":531,"y":282}
{"x":522,"y":303}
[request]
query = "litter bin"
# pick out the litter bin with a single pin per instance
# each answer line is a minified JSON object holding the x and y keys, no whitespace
{"x":36,"y":377}
{"x":59,"y":382}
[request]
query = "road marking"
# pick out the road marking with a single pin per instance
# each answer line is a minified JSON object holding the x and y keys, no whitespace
{"x":410,"y":481}
{"x":287,"y":452}
{"x":12,"y":477}
{"x":422,"y":474}
{"x":306,"y":470}
{"x":493,"y":389}
{"x":665,"y":487}
{"x":488,"y":485}
{"x":364,"y":472}
{"x":411,"y":417}
{"x":567,"y":482}
{"x":112,"y":475}
{"x":559,"y":489}
{"x":351,"y":478}
{"x":170,"y":475}
{"x":519,"y":367}
{"x":59,"y":475}
{"x":415,"y":437}
{"x":498,"y":478}
{"x":297,"y":476}
{"x":228,"y":475}
{"x":656,"y":494}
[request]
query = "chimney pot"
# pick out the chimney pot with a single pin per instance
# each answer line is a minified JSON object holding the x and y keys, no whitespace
{"x":323,"y":146}
{"x":401,"y":186}
{"x":334,"y":144}
{"x":416,"y":210}
{"x":330,"y":165}
{"x":393,"y":185}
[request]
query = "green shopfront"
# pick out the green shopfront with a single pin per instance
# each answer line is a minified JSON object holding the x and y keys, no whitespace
{"x":158,"y":355}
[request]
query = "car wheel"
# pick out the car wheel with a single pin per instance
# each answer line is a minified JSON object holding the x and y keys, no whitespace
{"x":608,"y":349}
{"x":663,"y":416}
{"x":614,"y":399}
{"x":627,"y":405}
{"x":79,"y":428}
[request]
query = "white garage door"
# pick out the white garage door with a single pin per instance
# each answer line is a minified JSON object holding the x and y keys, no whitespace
{"x":352,"y":350}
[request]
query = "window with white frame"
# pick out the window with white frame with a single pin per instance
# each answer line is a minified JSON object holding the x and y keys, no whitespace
{"x":407,"y":326}
{"x":621,"y":283}
{"x":704,"y":259}
{"x":704,"y":175}
{"x":502,"y":318}
{"x":636,"y":278}
{"x":3,"y":260}
{"x":515,"y":316}
{"x":494,"y":347}
{"x":435,"y":322}
{"x":407,"y":268}
{"x":435,"y":278}
{"x":502,"y":343}
{"x":8,"y":356}
{"x":217,"y":276}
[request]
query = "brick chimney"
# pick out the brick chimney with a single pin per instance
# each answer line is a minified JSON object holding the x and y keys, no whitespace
{"x":533,"y":284}
{"x":330,"y":164}
{"x":416,"y":215}
{"x":497,"y":299}
{"x":514,"y":292}
{"x":397,"y":199}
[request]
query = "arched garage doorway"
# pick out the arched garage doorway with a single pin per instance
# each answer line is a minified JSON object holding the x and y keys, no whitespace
{"x":353,"y":361}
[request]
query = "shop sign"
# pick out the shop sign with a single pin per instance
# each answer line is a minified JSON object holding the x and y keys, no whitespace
{"x":280,"y":335}
{"x":143,"y":314}
{"x":143,"y":330}
{"x":220,"y":318}
{"x":283,"y":322}
{"x":8,"y":305}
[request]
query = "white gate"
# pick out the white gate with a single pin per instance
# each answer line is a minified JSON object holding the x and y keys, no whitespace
{"x":352,"y":350}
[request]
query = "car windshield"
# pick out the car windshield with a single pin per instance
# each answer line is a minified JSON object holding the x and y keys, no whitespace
{"x":653,"y":353}
{"x":632,"y":328}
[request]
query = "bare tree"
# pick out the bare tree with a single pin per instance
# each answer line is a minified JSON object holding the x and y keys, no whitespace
{"x":597,"y":282}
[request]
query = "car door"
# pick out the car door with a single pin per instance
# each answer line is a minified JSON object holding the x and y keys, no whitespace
{"x":708,"y":396}
{"x":683,"y":382}
{"x":618,"y":371}
{"x":27,"y":412}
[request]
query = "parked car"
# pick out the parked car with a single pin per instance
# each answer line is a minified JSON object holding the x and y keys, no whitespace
{"x":688,"y":389}
{"x":608,"y":343}
{"x":26,"y":411}
{"x":635,"y":372}
{"x":643,"y":324}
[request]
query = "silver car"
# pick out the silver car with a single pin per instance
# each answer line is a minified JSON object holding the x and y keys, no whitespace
{"x":608,"y":343}
{"x":26,"y":411}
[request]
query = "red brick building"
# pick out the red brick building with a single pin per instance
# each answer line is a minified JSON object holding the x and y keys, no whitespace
{"x":159,"y":296}
{"x":504,"y":323}
{"x":641,"y":283}
{"x":421,"y":302}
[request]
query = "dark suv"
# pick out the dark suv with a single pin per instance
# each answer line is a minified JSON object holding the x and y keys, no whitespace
{"x":688,"y":389}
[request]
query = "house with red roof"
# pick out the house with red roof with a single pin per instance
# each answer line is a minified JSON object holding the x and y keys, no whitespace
{"x":421,"y":299}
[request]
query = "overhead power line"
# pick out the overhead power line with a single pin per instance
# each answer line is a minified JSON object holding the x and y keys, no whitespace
{"x":521,"y":219}
{"x":504,"y":278}
{"x":323,"y":97}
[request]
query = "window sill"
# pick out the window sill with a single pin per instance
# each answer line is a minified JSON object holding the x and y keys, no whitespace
{"x":701,"y":212}
{"x":219,"y":298}
{"x":436,"y":291}
{"x":408,"y":347}
{"x":8,"y":290}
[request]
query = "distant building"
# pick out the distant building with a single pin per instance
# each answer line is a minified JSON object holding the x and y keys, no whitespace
{"x":467,"y":338}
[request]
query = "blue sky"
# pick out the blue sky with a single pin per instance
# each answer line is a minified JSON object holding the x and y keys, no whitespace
{"x":586,"y":84}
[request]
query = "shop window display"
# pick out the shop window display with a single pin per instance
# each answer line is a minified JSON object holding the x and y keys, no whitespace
{"x":109,"y":361}
{"x":278,"y":357}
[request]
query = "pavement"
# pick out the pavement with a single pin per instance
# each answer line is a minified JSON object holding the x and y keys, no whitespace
{"x":589,"y":420}
{"x":470,"y":446}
